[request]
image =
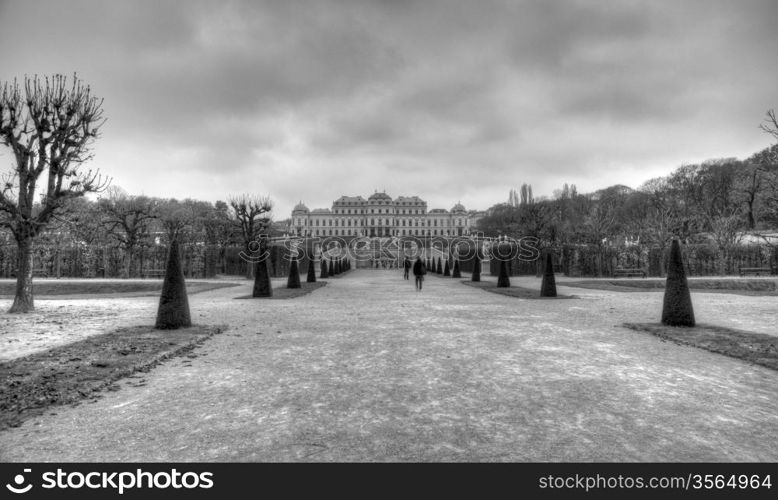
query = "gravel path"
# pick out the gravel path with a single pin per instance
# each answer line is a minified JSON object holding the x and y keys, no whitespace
{"x":366,"y":369}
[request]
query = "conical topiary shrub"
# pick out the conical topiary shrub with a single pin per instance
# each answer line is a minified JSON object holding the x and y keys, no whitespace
{"x":455,"y":273}
{"x":476,"y":276}
{"x":332,"y":268}
{"x":311,"y":272}
{"x":294,"y":275}
{"x":173,"y":311}
{"x":262,"y":286}
{"x":677,"y":309}
{"x":439,"y":267}
{"x":324,"y":271}
{"x":446,"y":269}
{"x":548,"y":286}
{"x":503,"y":281}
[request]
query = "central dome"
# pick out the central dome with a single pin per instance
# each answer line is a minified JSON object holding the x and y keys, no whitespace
{"x":300,"y":207}
{"x":379,"y":196}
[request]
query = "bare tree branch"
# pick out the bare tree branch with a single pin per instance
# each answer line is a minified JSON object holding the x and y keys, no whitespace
{"x":770,"y":124}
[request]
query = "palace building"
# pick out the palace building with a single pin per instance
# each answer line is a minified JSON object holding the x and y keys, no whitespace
{"x":379,"y":216}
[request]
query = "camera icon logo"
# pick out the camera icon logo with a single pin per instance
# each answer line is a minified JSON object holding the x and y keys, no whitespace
{"x":19,"y":481}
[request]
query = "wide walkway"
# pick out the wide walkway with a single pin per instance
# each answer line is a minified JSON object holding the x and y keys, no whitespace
{"x":366,"y":369}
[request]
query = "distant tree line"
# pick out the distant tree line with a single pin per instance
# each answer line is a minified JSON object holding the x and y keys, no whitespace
{"x":717,"y":203}
{"x":125,"y":235}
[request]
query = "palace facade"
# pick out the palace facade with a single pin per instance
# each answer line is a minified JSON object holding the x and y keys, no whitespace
{"x":379,"y":215}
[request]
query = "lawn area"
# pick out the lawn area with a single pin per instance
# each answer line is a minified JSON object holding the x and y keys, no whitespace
{"x":282,"y":292}
{"x":81,"y":370}
{"x":513,"y":291}
{"x":134,"y":288}
{"x":709,"y":285}
{"x":756,"y":348}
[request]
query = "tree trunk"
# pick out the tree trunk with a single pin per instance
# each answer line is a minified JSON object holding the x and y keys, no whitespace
{"x":23,"y":300}
{"x":130,"y":262}
{"x":662,"y":263}
{"x":722,"y":262}
{"x":598,"y":262}
{"x":58,"y":263}
{"x":106,"y":262}
{"x":249,"y":265}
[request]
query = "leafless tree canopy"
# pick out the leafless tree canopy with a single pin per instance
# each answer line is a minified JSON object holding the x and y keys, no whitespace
{"x":49,"y":127}
{"x":770,"y":124}
{"x":252,"y":214}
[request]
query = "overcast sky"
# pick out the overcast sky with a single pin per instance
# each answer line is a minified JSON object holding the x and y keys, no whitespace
{"x":449,"y":100}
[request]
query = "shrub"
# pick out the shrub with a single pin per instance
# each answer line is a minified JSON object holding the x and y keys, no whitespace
{"x":446,"y":270}
{"x":548,"y":287}
{"x":262,"y":285}
{"x":294,"y":275}
{"x":455,"y":273}
{"x":677,"y":309}
{"x":324,"y":271}
{"x":476,"y":276}
{"x":439,"y":268}
{"x":503,"y":281}
{"x":311,"y":272}
{"x":173,"y":311}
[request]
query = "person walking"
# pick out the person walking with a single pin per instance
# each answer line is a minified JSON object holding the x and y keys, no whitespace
{"x":407,"y":267}
{"x":419,"y":270}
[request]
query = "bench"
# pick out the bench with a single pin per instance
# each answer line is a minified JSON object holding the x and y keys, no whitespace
{"x":617,"y":273}
{"x":154,"y":273}
{"x":767,"y":271}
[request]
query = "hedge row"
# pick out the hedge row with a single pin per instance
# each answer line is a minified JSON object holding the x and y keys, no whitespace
{"x":200,"y":261}
{"x":591,"y":261}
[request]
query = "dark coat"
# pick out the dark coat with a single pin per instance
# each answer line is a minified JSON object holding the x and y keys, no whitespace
{"x":407,"y":264}
{"x":419,"y":269}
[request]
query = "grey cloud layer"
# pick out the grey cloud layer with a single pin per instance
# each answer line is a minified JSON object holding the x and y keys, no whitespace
{"x":447,"y":99}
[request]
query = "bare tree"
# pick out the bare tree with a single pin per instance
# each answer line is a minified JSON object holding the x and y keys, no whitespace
{"x":599,"y":222}
{"x":49,"y":127}
{"x":127,"y":219}
{"x":219,"y":231}
{"x":770,"y":124}
{"x":662,"y":221}
{"x":175,"y":218}
{"x":748,"y":187}
{"x":252,"y":216}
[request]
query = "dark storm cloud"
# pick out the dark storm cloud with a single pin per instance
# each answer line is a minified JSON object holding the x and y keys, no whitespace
{"x":446,"y":99}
